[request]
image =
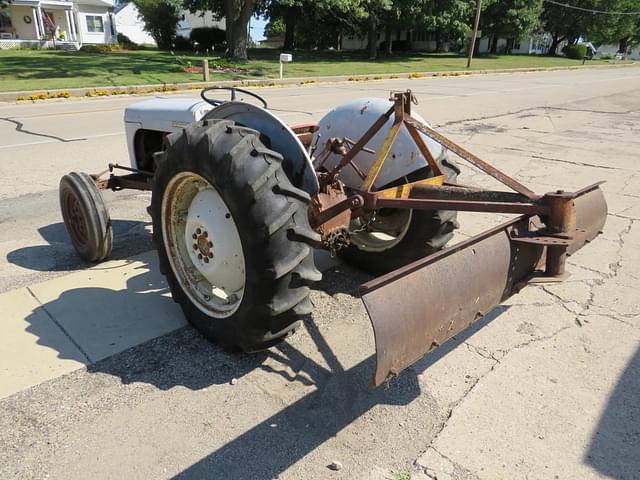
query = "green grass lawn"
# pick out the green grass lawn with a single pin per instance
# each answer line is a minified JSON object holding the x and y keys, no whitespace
{"x":42,"y":70}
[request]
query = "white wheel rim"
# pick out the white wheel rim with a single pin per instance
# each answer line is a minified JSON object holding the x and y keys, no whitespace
{"x":203,"y":245}
{"x":379,"y":236}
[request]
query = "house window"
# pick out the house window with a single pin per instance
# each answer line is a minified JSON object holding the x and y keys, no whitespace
{"x":5,"y":20}
{"x":94,"y":24}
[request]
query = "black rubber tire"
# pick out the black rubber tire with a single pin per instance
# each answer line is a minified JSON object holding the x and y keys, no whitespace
{"x":271,"y":217}
{"x":85,"y":216}
{"x":428,"y":232}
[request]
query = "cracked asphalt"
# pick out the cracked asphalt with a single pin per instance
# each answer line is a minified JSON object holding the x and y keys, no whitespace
{"x":546,"y":386}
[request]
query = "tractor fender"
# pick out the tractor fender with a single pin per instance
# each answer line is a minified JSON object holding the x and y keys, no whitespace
{"x":352,"y":120}
{"x":280,"y":138}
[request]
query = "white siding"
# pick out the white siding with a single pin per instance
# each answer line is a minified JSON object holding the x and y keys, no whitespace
{"x":129,"y":23}
{"x":86,"y":36}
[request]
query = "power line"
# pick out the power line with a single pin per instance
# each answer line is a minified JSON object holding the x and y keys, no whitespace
{"x":566,"y":5}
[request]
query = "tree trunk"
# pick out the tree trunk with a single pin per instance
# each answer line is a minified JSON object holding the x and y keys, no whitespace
{"x":388,"y":41}
{"x":494,"y":44}
{"x":510,"y":43}
{"x":237,"y":15}
{"x":438,"y":40}
{"x":372,"y":37}
{"x":554,"y":45}
{"x":623,"y":44}
{"x":289,"y":28}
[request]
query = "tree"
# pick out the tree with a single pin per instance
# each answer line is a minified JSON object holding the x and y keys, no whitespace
{"x":509,"y":19}
{"x":447,"y":19}
{"x":236,"y":14}
{"x":620,"y":29}
{"x":160,"y":18}
{"x":312,"y":23}
{"x":274,"y":28}
{"x":567,"y":23}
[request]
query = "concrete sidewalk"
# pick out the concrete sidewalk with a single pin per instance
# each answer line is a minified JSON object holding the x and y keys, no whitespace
{"x":58,"y":326}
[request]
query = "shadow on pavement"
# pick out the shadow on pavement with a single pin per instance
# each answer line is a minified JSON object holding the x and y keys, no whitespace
{"x":129,"y":237}
{"x":184,"y":358}
{"x":615,"y":445}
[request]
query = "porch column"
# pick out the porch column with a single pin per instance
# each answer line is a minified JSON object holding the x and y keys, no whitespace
{"x":40,"y":21}
{"x":67,"y":16}
{"x":34,"y":16}
{"x":72,"y":17}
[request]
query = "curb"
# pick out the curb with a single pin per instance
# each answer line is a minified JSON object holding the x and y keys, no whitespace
{"x":150,"y":89}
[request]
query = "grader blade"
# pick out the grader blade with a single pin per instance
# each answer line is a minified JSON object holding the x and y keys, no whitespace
{"x":417,"y":308}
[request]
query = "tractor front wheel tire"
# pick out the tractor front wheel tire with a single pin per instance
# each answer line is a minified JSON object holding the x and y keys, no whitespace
{"x":417,"y":233}
{"x":85,"y":216}
{"x":232,"y":235}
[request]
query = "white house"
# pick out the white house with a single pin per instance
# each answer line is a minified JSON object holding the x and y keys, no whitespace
{"x":43,"y":23}
{"x":426,"y":41}
{"x":610,"y":50}
{"x":189,"y":21}
{"x":129,"y":23}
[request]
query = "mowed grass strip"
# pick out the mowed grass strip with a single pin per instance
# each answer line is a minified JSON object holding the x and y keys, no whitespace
{"x":44,"y":70}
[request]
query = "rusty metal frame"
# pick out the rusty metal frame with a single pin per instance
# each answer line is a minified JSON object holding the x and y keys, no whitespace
{"x":556,"y":209}
{"x":136,"y":180}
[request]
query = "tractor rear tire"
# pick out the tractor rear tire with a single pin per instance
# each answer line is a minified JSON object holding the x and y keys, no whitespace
{"x":425,"y":232}
{"x":241,"y":277}
{"x":85,"y":216}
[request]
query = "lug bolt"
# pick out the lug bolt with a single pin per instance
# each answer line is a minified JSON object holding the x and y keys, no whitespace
{"x":210,"y":244}
{"x":195,"y":247}
{"x":205,"y":234}
{"x":206,"y":259}
{"x":199,"y":256}
{"x":198,"y":231}
{"x":194,"y":236}
{"x":210,"y":255}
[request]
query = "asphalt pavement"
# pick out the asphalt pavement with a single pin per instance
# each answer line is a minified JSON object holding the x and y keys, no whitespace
{"x":101,"y":377}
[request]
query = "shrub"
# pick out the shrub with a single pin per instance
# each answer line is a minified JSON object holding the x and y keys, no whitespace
{"x":208,"y":38}
{"x":126,"y":43}
{"x":577,"y":52}
{"x":181,"y":44}
{"x":104,"y":48}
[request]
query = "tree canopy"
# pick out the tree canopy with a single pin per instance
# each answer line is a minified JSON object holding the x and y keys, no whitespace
{"x":160,"y":19}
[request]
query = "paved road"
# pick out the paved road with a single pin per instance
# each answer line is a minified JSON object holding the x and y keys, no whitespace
{"x":546,"y":389}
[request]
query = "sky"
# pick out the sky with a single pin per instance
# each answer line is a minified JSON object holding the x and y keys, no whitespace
{"x":257,"y":28}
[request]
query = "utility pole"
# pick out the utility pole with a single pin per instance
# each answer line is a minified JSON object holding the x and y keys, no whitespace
{"x":472,"y":44}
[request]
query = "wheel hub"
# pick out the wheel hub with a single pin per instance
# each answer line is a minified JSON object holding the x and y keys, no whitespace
{"x":202,"y":246}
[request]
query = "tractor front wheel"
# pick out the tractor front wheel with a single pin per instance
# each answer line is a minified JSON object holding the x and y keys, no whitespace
{"x":85,"y":216}
{"x":232,"y":235}
{"x":391,"y":238}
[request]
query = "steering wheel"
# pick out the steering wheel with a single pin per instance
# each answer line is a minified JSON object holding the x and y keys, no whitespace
{"x":215,"y":102}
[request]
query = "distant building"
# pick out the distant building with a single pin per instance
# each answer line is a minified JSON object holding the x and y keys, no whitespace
{"x":421,"y":40}
{"x":189,"y":21}
{"x":129,"y":23}
{"x":611,"y":50}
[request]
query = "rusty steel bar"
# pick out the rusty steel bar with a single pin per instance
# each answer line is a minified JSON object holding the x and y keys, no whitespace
{"x":448,"y":192}
{"x":474,"y":160}
{"x":368,"y":135}
{"x":459,"y":205}
{"x":426,"y":153}
{"x":381,"y":156}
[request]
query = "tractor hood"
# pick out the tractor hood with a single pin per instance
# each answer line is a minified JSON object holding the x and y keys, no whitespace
{"x":166,"y":114}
